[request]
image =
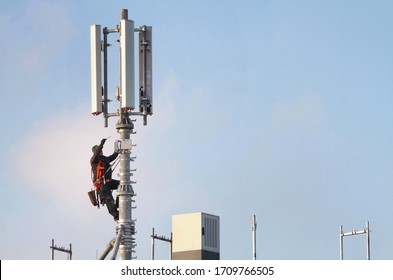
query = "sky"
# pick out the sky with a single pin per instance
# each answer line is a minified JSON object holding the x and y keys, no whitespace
{"x":279,"y":109}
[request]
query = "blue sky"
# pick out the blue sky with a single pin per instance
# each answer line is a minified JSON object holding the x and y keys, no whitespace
{"x":282,"y":109}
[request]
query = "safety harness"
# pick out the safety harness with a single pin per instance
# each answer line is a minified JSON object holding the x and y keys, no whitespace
{"x":99,"y":175}
{"x":98,"y":178}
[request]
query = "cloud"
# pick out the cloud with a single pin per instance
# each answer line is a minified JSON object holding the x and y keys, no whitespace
{"x":53,"y":157}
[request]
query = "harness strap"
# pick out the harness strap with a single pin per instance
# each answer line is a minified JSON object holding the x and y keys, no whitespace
{"x":99,"y":175}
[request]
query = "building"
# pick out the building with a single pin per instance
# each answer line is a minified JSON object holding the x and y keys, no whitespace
{"x":195,"y":236}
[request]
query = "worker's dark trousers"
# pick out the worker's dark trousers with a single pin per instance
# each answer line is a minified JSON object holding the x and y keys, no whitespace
{"x":106,"y":195}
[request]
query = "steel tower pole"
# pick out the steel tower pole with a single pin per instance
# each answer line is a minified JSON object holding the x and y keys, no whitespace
{"x":125,"y":191}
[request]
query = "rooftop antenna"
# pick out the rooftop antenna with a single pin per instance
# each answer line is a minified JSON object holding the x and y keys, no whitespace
{"x":254,"y":237}
{"x":126,"y":97}
{"x":355,"y":232}
{"x":61,"y":249}
{"x":162,"y":238}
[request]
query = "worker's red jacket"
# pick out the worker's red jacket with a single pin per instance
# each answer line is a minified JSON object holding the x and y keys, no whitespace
{"x":106,"y":160}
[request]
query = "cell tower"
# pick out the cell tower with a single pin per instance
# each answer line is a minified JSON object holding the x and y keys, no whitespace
{"x":126,"y":96}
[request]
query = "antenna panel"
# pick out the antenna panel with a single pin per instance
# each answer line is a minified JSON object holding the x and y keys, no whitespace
{"x":145,"y":70}
{"x":127,"y":72}
{"x":96,"y":79}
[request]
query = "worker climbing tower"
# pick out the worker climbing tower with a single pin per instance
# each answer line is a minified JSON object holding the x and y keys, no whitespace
{"x":124,"y":242}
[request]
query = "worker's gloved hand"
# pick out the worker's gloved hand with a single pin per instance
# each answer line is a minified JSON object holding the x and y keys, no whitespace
{"x":103,"y":142}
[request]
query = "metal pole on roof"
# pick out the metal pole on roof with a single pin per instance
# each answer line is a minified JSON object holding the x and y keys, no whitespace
{"x":152,"y":243}
{"x":355,"y":232}
{"x":368,"y":240}
{"x":341,"y":243}
{"x":254,"y":238}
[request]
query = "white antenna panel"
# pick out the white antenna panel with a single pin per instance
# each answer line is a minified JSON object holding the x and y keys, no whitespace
{"x":96,"y":80}
{"x":146,"y":68}
{"x":127,"y":72}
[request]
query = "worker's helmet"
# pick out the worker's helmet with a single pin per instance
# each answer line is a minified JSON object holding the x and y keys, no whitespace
{"x":94,"y":148}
